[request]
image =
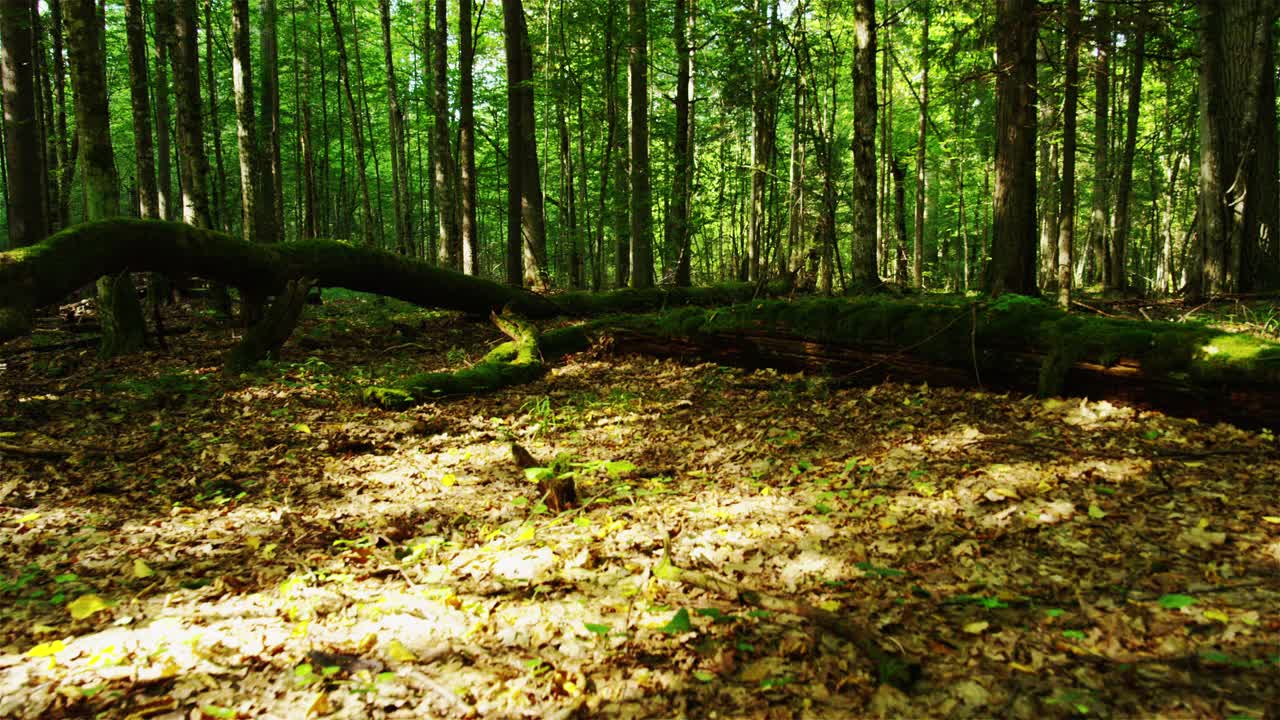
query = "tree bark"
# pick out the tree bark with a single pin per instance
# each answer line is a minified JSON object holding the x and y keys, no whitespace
{"x":682,"y":154}
{"x":123,"y":330}
{"x":28,"y":221}
{"x":357,"y":127}
{"x":1067,"y":210}
{"x":1120,"y":233}
{"x":400,"y":207}
{"x":862,"y":268}
{"x":253,"y":220}
{"x":163,"y":14}
{"x":468,"y":228}
{"x":219,"y":201}
{"x":1048,"y":160}
{"x":271,"y":172}
{"x":1237,"y":145}
{"x":526,"y":224}
{"x":641,"y":191}
{"x":144,"y":149}
{"x":1013,"y":247}
{"x":193,"y":163}
{"x":1101,"y":146}
{"x":442,"y":171}
{"x":60,"y":213}
{"x":917,"y":266}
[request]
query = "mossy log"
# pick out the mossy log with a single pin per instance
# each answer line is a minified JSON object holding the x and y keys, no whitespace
{"x":1013,"y":343}
{"x":515,"y":362}
{"x":45,"y":273}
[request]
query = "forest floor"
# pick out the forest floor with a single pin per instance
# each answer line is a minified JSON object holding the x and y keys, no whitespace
{"x":177,"y":543}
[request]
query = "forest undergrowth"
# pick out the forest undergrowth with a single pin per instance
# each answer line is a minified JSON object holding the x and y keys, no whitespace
{"x":176,"y":542}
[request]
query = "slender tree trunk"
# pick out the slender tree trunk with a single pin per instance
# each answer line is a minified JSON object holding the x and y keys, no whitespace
{"x":1120,"y":232}
{"x":400,"y":205}
{"x":917,"y":279}
{"x":1047,"y":157}
{"x":166,"y":206}
{"x":469,"y":230}
{"x":900,"y":222}
{"x":442,"y":171}
{"x":28,"y":222}
{"x":526,"y":224}
{"x":271,"y":173}
{"x":1067,"y":208}
{"x":681,"y":186}
{"x":194,"y":164}
{"x":310,"y":212}
{"x":252,"y":216}
{"x":1101,"y":146}
{"x":614,"y":160}
{"x":1013,"y":247}
{"x":863,"y":266}
{"x":357,"y":129}
{"x":219,"y":203}
{"x":641,"y":193}
{"x":61,"y":214}
{"x":144,"y":150}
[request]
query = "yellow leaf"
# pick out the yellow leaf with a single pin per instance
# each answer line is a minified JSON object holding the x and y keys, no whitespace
{"x":449,"y":480}
{"x":571,"y":688}
{"x":1022,"y":668}
{"x":1216,"y":615}
{"x":526,"y":533}
{"x":268,"y":551}
{"x":141,"y":569}
{"x":398,"y":652}
{"x":253,"y":542}
{"x":977,"y":628}
{"x":300,"y":630}
{"x":830,"y":605}
{"x":1273,"y":519}
{"x":48,"y":649}
{"x":303,"y":428}
{"x":29,"y":517}
{"x":85,"y":605}
{"x":320,"y":705}
{"x":367,"y":642}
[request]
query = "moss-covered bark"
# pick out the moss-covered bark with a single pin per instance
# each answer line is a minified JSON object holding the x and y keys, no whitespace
{"x":45,"y":273}
{"x":265,"y":338}
{"x":515,"y":362}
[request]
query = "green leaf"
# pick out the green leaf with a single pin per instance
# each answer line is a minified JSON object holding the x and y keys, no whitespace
{"x":1054,"y":612}
{"x":716,"y":615}
{"x":679,"y":623}
{"x":66,"y":578}
{"x":1096,"y":512}
{"x":822,"y":508}
{"x":538,"y":474}
{"x":616,"y":468}
{"x":704,"y":676}
{"x":768,"y":683}
{"x":760,"y":614}
{"x":879,"y":571}
{"x":1073,"y":634}
{"x":1175,"y":601}
{"x":600,"y":630}
{"x":218,"y":711}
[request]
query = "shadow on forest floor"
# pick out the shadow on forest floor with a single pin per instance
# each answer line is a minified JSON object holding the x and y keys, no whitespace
{"x":177,"y":543}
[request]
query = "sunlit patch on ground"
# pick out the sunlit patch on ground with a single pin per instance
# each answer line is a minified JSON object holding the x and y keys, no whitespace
{"x":269,"y":546}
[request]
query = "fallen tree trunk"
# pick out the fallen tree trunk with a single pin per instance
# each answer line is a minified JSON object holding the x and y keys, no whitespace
{"x":45,"y":273}
{"x":1014,"y":343}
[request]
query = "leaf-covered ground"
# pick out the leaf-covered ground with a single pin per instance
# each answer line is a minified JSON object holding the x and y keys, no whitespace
{"x":176,"y":543}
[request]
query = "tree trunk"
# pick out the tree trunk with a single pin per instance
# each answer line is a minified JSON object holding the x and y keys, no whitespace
{"x":365,"y":116}
{"x":863,"y":266}
{"x":469,"y":230}
{"x":123,"y":330}
{"x":400,"y":205}
{"x":219,"y":204}
{"x":917,"y":278}
{"x":442,"y":171}
{"x":1101,"y":145}
{"x":60,"y":215}
{"x":614,"y":162}
{"x":641,"y":192}
{"x":28,"y":222}
{"x":165,"y":204}
{"x":1237,"y":145}
{"x":1067,"y":209}
{"x":681,"y":186}
{"x":144,"y":151}
{"x":357,"y":129}
{"x":271,"y":171}
{"x":1120,"y":233}
{"x":900,"y":222}
{"x":1048,"y":160}
{"x":526,"y":224}
{"x":1013,"y":245}
{"x":193,"y":163}
{"x":253,"y":219}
